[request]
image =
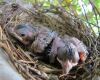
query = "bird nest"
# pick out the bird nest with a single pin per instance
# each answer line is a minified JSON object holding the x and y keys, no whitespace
{"x":58,"y":20}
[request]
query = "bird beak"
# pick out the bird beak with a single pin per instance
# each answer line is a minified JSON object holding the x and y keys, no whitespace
{"x":82,"y":56}
{"x":66,"y":65}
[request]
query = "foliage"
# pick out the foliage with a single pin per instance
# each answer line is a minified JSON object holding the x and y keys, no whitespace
{"x":87,"y":10}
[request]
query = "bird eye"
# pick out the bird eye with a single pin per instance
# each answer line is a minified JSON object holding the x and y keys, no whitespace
{"x":44,"y":39}
{"x":22,"y":35}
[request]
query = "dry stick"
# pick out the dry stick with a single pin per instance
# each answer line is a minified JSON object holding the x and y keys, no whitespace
{"x":22,"y":66}
{"x":41,"y":74}
{"x":26,"y":55}
{"x":28,"y":74}
{"x":14,"y":49}
{"x":4,"y":46}
{"x":32,"y":69}
{"x":1,"y":33}
{"x":47,"y":68}
{"x":28,"y":62}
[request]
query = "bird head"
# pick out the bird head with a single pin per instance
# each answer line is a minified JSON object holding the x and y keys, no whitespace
{"x":80,"y":46}
{"x":23,"y":32}
{"x":68,"y":57}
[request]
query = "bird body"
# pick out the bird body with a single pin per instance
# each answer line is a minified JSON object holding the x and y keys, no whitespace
{"x":66,"y":54}
{"x":43,"y":39}
{"x":81,"y":48}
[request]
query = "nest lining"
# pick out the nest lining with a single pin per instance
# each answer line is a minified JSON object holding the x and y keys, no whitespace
{"x":59,"y":21}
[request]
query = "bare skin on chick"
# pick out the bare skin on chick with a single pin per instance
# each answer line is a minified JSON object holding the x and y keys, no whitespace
{"x":66,"y":54}
{"x":43,"y":38}
{"x":57,"y":42}
{"x":37,"y":37}
{"x":68,"y":57}
{"x":81,"y":48}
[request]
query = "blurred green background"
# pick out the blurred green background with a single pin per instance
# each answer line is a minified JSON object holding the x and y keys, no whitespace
{"x":86,"y":10}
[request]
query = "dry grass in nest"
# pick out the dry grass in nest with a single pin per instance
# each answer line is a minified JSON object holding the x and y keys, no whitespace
{"x":60,"y":21}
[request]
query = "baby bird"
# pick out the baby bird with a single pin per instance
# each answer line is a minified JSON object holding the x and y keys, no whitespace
{"x":23,"y":32}
{"x":68,"y":50}
{"x":66,"y":53}
{"x":37,"y":37}
{"x":68,"y":57}
{"x":43,"y":39}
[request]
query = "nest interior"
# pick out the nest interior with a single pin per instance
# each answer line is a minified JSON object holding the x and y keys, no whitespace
{"x":58,"y":20}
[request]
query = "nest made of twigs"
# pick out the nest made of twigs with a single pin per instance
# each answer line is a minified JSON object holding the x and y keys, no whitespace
{"x":58,"y":20}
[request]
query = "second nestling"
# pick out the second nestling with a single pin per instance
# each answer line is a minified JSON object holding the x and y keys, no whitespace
{"x":67,"y":50}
